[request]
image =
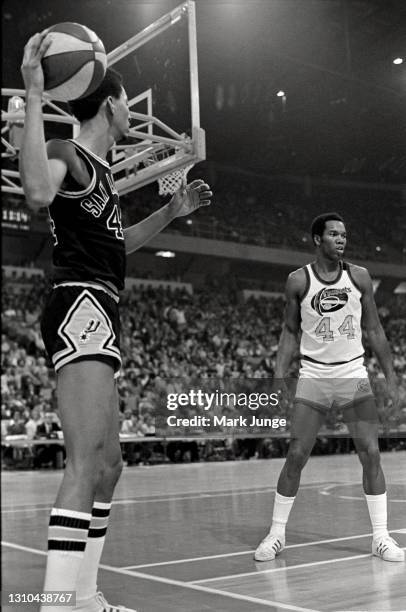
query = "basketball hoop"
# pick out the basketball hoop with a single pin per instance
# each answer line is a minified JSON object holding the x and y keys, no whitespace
{"x":171,"y":152}
{"x":171,"y":182}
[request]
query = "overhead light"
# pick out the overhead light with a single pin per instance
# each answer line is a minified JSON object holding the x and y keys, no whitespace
{"x":398,"y":60}
{"x":189,"y":222}
{"x":167,"y":254}
{"x":280,"y":93}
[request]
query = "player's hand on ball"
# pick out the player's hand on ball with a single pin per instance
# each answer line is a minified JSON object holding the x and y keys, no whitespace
{"x":31,"y":68}
{"x":190,"y":198}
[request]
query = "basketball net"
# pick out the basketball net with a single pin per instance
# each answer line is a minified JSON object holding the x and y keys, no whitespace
{"x":170,"y":183}
{"x":173,"y":181}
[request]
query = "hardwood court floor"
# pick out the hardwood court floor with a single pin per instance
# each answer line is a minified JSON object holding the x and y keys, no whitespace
{"x":181,"y":538}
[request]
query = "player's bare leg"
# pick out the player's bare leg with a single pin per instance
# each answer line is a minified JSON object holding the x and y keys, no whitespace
{"x":365,"y":436}
{"x":85,"y":390}
{"x":88,"y":597}
{"x":84,"y":399}
{"x":306,"y":423}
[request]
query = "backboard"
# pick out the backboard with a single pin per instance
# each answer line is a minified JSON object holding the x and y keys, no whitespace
{"x":159,"y":66}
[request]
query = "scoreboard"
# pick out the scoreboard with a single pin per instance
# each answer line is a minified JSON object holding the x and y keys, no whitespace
{"x":16,"y":218}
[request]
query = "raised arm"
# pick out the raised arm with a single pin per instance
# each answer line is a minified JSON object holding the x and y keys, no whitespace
{"x":183,"y":202}
{"x":374,"y":330}
{"x":289,"y":340}
{"x":40,"y":177}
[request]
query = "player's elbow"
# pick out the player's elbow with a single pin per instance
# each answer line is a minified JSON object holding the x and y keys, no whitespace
{"x":38,"y":193}
{"x":375,"y":334}
{"x":291,"y":330}
{"x":373,"y":329}
{"x":37,"y":196}
{"x":36,"y":201}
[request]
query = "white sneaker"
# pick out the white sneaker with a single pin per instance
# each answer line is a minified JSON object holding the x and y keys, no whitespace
{"x":270,"y":547}
{"x":98,"y":603}
{"x":387,"y":549}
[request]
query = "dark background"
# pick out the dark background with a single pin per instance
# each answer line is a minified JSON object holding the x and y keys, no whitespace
{"x":345,"y":99}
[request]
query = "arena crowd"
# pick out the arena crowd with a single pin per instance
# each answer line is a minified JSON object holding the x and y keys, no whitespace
{"x":169,"y":336}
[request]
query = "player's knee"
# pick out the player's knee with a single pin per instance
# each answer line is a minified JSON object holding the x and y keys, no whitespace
{"x":370,"y":457}
{"x":297,"y":457}
{"x":112,"y":470}
{"x":85,"y":471}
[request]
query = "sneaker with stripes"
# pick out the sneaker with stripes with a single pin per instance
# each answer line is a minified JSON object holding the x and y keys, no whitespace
{"x":387,"y":549}
{"x":98,"y":603}
{"x":270,"y":547}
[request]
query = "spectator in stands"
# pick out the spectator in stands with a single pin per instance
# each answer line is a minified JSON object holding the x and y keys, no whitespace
{"x":17,"y":425}
{"x":35,"y":419}
{"x":145,"y":426}
{"x":219,"y":327}
{"x":5,"y":419}
{"x":128,"y":426}
{"x":49,"y":426}
{"x":46,"y":454}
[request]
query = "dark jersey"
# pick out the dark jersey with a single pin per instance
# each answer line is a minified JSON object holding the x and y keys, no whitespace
{"x":86,"y":226}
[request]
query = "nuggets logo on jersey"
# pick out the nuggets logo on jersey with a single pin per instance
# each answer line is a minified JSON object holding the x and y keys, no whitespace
{"x":330,"y":299}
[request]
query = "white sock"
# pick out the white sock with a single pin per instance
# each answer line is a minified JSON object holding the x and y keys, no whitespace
{"x":86,"y":586}
{"x":377,"y":507}
{"x":281,"y":510}
{"x":67,"y":535}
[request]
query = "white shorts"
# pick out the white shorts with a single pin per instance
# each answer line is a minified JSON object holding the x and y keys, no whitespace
{"x":323,"y":386}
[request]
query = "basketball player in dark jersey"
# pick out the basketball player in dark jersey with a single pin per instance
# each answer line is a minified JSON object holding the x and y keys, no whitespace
{"x":80,"y":324}
{"x":327,"y":304}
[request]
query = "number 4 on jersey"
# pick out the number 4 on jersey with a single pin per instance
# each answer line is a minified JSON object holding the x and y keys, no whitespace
{"x":346,"y":328}
{"x":114,"y":223}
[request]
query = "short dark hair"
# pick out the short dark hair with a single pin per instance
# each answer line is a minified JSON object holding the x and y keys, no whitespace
{"x":319,"y":223}
{"x":87,"y":108}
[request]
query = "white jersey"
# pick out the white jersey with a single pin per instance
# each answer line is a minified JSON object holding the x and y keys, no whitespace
{"x":331,"y":318}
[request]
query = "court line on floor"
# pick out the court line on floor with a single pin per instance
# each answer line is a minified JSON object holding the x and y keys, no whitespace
{"x":247,"y":552}
{"x":284,"y":568}
{"x":178,"y":583}
{"x":327,"y":491}
{"x":193,"y":495}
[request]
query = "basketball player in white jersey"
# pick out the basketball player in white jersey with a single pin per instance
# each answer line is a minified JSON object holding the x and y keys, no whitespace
{"x":328,"y":303}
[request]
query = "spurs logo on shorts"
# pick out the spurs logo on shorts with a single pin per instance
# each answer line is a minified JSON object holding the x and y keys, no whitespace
{"x":85,"y":330}
{"x":90,"y":328}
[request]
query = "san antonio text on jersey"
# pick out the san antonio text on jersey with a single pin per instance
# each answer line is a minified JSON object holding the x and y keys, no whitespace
{"x":331,"y":318}
{"x":86,"y":226}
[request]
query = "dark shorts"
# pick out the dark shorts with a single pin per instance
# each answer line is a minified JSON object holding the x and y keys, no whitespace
{"x":81,"y":321}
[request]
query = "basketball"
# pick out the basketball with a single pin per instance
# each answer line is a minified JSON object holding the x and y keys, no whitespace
{"x":75,"y":62}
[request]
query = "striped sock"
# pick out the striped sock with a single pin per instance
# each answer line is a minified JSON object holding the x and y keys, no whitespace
{"x":67,"y":535}
{"x":86,"y":586}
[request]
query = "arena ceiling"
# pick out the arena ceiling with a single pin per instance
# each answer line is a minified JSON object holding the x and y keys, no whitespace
{"x":344,"y":110}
